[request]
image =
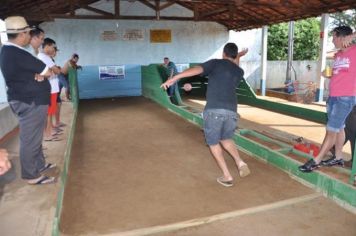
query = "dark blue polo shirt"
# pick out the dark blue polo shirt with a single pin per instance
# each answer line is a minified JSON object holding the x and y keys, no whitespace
{"x":224,"y":77}
{"x":19,"y":68}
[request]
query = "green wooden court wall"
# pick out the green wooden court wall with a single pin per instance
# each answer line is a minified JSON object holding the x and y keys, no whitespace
{"x":343,"y":193}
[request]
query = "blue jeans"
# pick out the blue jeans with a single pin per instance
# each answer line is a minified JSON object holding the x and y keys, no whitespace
{"x":338,"y":108}
{"x":219,"y":124}
{"x":171,"y":90}
{"x":62,"y":82}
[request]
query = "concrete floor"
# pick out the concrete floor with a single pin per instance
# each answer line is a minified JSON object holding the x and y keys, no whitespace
{"x":157,"y":177}
{"x":29,"y":210}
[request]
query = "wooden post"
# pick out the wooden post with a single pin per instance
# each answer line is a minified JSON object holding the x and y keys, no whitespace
{"x":117,"y":8}
{"x":157,"y":9}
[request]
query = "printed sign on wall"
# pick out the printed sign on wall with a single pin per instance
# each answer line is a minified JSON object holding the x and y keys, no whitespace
{"x":161,"y":36}
{"x":109,"y":35}
{"x":133,"y":34}
{"x":111,"y":72}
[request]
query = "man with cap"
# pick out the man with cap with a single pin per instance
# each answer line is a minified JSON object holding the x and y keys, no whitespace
{"x":28,"y":96}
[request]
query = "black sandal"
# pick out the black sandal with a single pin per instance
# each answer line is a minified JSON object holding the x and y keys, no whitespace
{"x":44,"y":180}
{"x":47,"y":167}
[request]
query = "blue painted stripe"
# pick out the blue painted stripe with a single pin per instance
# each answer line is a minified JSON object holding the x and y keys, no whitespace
{"x":90,"y":86}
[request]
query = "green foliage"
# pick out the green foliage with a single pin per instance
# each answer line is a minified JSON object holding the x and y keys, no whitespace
{"x":306,"y":40}
{"x":277,"y":42}
{"x":344,"y":18}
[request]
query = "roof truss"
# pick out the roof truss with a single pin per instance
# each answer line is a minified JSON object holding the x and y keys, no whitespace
{"x":233,"y":14}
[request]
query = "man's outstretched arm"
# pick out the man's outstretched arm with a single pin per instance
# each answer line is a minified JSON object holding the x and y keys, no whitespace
{"x":187,"y":73}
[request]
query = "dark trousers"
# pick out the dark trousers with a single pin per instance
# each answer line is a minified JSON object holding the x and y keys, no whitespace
{"x":171,"y":90}
{"x":32,"y":121}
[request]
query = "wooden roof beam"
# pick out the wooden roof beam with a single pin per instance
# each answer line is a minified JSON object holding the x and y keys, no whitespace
{"x":96,"y":10}
{"x":157,"y":9}
{"x":117,"y":8}
{"x":215,"y":12}
{"x":196,"y":12}
{"x":71,"y":7}
{"x":237,"y":2}
{"x":147,"y":3}
{"x":101,"y":17}
{"x":167,"y":4}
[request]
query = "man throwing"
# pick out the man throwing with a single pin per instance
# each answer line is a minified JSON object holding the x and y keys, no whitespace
{"x":220,"y":113}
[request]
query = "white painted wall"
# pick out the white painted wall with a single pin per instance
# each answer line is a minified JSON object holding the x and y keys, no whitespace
{"x":191,"y":41}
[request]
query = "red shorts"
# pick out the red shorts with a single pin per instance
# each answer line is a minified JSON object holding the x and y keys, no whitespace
{"x":52,"y":108}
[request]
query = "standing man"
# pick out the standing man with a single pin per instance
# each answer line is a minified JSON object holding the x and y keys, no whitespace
{"x":48,"y":48}
{"x":72,"y":63}
{"x":171,"y":71}
{"x":220,"y":112}
{"x":28,"y":97}
{"x":37,"y":37}
{"x":342,"y":99}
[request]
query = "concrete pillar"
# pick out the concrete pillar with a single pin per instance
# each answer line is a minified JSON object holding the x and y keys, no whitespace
{"x":322,"y":54}
{"x":264,"y":60}
{"x":290,"y":51}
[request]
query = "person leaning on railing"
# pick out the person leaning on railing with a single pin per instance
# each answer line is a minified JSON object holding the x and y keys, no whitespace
{"x":71,"y":63}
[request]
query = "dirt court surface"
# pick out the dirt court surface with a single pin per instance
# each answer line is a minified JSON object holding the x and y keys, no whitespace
{"x":136,"y":167}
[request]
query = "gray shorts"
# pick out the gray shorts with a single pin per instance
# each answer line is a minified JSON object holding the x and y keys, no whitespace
{"x":219,"y":124}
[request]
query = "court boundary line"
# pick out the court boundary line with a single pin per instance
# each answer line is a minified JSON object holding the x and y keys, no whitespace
{"x":214,"y":218}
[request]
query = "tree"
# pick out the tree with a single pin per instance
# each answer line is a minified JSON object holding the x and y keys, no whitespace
{"x":306,"y":40}
{"x":344,"y":18}
{"x":277,"y":42}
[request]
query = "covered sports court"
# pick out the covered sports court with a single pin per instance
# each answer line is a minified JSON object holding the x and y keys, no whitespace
{"x":133,"y":163}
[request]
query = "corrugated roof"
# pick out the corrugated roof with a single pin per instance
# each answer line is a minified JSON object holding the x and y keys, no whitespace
{"x":234,"y":14}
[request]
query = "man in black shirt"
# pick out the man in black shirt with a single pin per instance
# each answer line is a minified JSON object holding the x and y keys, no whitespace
{"x":28,"y":95}
{"x":220,"y":113}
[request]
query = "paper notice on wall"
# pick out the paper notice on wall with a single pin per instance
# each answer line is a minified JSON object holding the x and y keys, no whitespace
{"x":161,"y":36}
{"x":109,"y":35}
{"x":133,"y":34}
{"x":111,"y":72}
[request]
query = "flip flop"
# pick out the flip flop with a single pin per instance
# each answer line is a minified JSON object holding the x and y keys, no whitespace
{"x":47,"y":167}
{"x":57,"y":133}
{"x":244,"y":170}
{"x":57,"y":129}
{"x":60,"y":125}
{"x":53,"y":139}
{"x":224,"y":183}
{"x":44,"y":180}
